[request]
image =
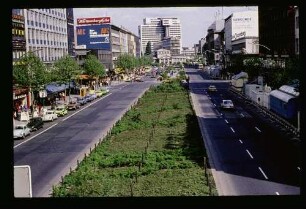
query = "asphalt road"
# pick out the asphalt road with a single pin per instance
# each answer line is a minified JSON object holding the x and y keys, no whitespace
{"x":52,"y":151}
{"x":246,"y":156}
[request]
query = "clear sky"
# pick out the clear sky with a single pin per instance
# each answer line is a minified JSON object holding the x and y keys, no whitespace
{"x":194,"y":20}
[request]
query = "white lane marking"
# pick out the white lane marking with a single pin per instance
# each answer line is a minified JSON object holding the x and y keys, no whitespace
{"x":35,"y":135}
{"x":276,"y":193}
{"x":232,"y":130}
{"x":299,"y":168}
{"x":240,"y":141}
{"x":262,"y":173}
{"x":215,"y":105}
{"x":242,"y":114}
{"x":257,"y":129}
{"x":250,"y":154}
{"x":85,"y":107}
{"x":226,"y":121}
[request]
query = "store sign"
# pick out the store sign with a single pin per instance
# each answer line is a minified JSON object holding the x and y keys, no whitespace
{"x":17,"y":17}
{"x":238,"y":35}
{"x":19,"y":96}
{"x":96,"y":20}
{"x":43,"y":94}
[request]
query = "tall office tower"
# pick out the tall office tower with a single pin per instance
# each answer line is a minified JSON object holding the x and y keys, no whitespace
{"x":155,"y":30}
{"x":70,"y":31}
{"x":46,"y":33}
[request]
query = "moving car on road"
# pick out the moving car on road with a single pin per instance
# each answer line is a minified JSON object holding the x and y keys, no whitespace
{"x":227,"y":104}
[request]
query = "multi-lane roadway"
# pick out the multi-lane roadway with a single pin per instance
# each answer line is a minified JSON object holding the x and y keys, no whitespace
{"x":247,"y":158}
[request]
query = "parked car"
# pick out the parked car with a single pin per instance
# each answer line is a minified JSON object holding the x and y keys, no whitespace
{"x":21,"y":131}
{"x":227,"y":104}
{"x":61,"y":110}
{"x":49,"y":115}
{"x":99,"y":93}
{"x":138,"y":79}
{"x":35,"y":123}
{"x":212,"y":88}
{"x":81,"y":100}
{"x":73,"y":105}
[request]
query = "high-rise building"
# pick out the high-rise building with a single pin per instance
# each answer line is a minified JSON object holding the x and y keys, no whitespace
{"x":46,"y":33}
{"x":70,"y":31}
{"x":154,"y":30}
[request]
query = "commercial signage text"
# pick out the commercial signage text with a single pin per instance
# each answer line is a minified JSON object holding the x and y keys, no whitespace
{"x":93,"y":21}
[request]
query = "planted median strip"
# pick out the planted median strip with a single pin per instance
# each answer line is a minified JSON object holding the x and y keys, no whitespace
{"x":156,"y":149}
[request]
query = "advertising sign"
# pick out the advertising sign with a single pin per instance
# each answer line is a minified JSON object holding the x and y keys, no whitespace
{"x":244,"y":24}
{"x":92,"y":21}
{"x":94,"y":36}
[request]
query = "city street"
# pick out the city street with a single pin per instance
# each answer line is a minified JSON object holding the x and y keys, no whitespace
{"x":52,"y":151}
{"x":245,"y":157}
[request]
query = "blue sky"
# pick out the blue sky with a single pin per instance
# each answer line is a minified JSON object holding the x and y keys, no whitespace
{"x":194,"y":20}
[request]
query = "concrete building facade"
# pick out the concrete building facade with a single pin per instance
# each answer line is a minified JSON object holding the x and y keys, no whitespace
{"x":46,"y":33}
{"x":70,"y":31}
{"x":241,"y":33}
{"x":155,"y":30}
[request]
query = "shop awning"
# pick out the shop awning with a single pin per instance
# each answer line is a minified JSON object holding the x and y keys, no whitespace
{"x":55,"y":87}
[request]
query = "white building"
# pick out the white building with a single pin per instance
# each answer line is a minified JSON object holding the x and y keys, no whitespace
{"x":46,"y":33}
{"x":163,"y":56}
{"x":155,"y":30}
{"x":189,"y":53}
{"x":241,"y":33}
{"x":178,"y":59}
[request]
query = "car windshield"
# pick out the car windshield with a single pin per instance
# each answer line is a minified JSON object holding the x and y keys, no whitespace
{"x":228,"y":102}
{"x":19,"y":127}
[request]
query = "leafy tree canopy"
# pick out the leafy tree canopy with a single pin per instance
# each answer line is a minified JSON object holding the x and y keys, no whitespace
{"x":93,"y":67}
{"x":31,"y":72}
{"x":66,"y":69}
{"x":148,"y":49}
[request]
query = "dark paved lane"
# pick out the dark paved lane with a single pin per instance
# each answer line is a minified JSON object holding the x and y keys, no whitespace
{"x":54,"y":151}
{"x":247,"y":158}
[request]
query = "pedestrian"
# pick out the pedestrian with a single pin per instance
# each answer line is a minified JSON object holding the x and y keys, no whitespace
{"x":187,"y":79}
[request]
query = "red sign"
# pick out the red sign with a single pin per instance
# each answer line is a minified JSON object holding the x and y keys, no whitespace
{"x":91,"y":21}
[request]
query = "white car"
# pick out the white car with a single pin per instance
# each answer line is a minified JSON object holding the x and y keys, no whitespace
{"x":49,"y":115}
{"x":227,"y":104}
{"x":21,"y":131}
